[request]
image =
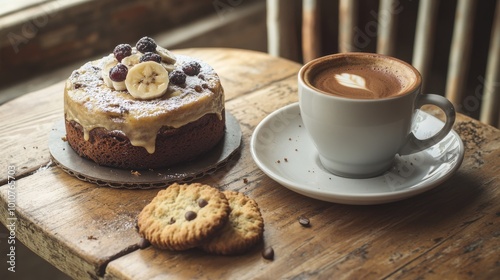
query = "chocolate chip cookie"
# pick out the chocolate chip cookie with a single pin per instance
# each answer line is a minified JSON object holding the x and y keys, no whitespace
{"x":183,"y":215}
{"x":243,"y":230}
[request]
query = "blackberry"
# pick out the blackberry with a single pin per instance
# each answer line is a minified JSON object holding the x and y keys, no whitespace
{"x":121,"y":51}
{"x":192,"y":68}
{"x":150,"y":56}
{"x":118,"y":73}
{"x":146,"y":44}
{"x":177,"y":77}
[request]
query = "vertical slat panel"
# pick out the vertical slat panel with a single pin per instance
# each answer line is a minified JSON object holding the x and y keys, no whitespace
{"x":386,"y":37}
{"x":348,"y":11}
{"x":273,"y":27}
{"x":424,"y":37}
{"x":460,"y":49}
{"x":311,"y":40}
{"x":281,"y":33}
{"x":490,"y":111}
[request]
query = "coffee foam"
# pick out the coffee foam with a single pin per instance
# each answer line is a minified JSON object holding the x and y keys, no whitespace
{"x":361,"y":77}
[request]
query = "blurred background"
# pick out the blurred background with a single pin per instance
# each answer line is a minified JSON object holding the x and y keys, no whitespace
{"x":43,"y":41}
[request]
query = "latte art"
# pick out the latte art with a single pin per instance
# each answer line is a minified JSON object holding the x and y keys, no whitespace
{"x":371,"y":79}
{"x":351,"y":80}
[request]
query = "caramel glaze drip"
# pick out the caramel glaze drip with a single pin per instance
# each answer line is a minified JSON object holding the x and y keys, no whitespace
{"x":92,"y":104}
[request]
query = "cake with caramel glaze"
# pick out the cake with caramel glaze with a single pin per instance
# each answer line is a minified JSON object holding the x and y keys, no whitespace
{"x":143,"y":108}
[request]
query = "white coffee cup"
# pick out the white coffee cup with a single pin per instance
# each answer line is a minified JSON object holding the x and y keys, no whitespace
{"x":359,"y":137}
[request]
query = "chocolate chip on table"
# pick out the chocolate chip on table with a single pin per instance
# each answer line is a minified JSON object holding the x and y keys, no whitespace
{"x":190,"y":215}
{"x":303,"y":221}
{"x":144,"y":243}
{"x":268,"y":253}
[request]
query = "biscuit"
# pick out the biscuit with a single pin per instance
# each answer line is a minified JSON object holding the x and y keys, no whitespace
{"x":181,"y":216}
{"x":243,"y":230}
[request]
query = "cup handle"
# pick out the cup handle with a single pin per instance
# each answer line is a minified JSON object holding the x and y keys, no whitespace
{"x":413,"y":144}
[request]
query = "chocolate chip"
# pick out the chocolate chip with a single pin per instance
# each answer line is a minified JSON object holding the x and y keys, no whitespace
{"x":303,"y":221}
{"x":198,"y":88}
{"x":144,"y":243}
{"x":172,"y":221}
{"x":202,"y":203}
{"x":268,"y":253}
{"x":190,"y":215}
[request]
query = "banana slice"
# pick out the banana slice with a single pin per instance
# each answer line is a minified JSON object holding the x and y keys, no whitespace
{"x":166,"y":55}
{"x":147,"y":80}
{"x":109,"y":63}
{"x":168,"y":67}
{"x":132,"y":60}
{"x":119,"y":85}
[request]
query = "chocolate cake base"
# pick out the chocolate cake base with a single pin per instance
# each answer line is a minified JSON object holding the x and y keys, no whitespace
{"x":173,"y":145}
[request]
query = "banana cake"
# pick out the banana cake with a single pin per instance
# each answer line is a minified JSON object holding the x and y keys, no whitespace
{"x":143,"y":107}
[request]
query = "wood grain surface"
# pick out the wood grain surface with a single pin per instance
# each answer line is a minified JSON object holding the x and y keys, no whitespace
{"x":88,"y":232}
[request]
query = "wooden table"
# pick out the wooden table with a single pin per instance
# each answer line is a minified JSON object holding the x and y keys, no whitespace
{"x":86,"y":231}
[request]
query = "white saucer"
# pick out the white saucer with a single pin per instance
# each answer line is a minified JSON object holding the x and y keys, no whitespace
{"x":283,"y":150}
